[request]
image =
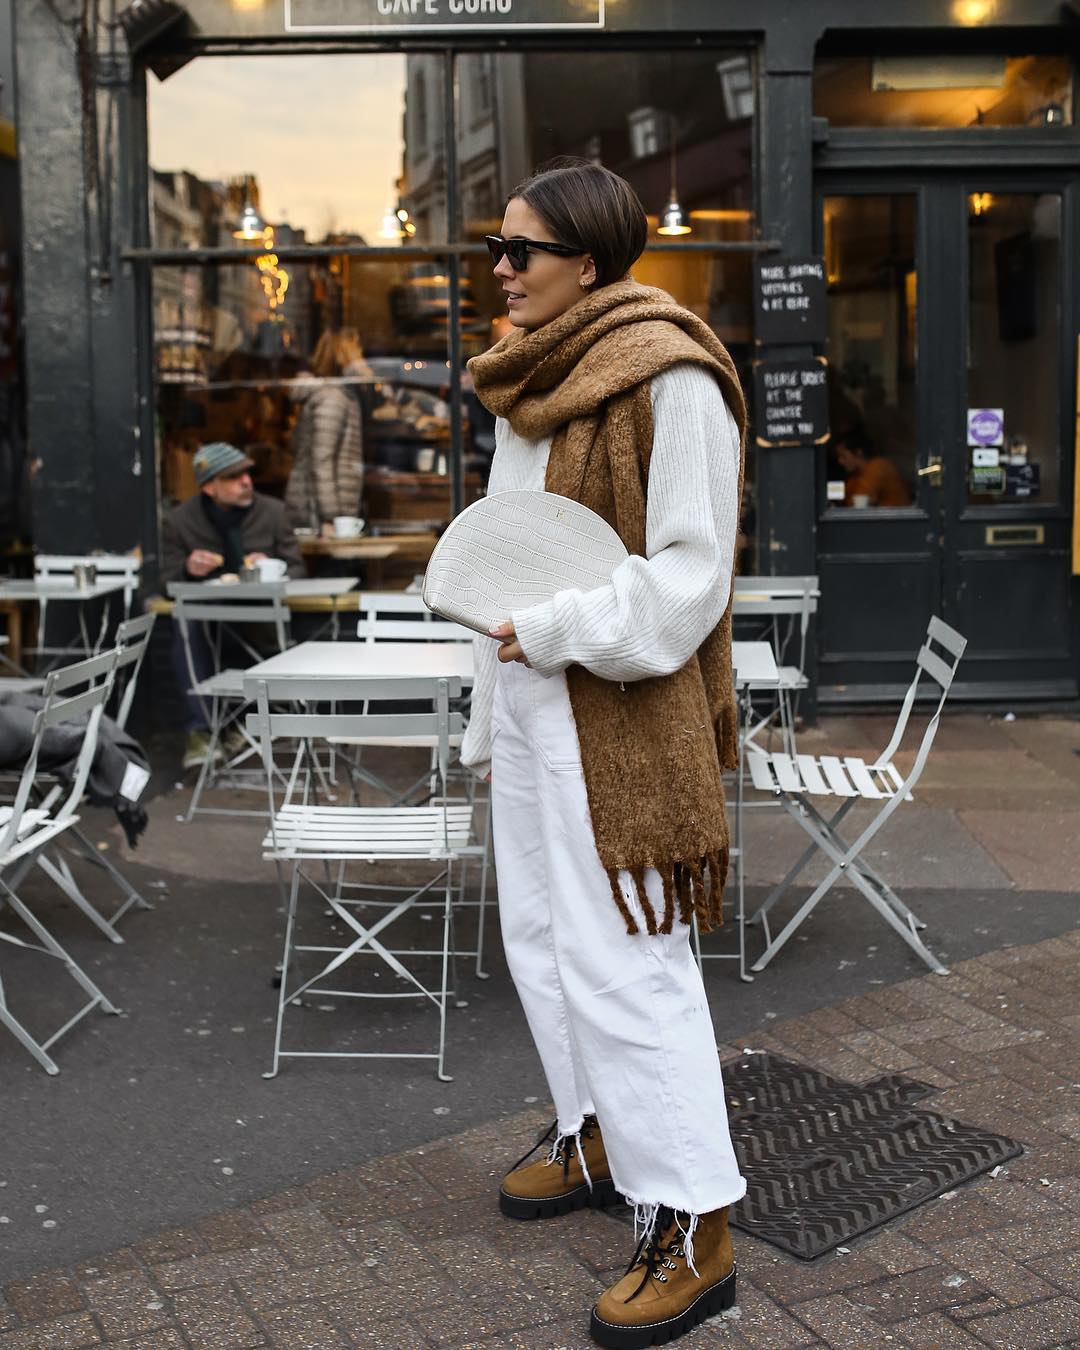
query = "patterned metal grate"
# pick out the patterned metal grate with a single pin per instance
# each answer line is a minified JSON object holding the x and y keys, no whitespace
{"x":827,"y":1160}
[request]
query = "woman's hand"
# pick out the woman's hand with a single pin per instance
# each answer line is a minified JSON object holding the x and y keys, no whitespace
{"x":509,"y":647}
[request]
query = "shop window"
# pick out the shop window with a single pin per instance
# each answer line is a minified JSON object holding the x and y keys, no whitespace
{"x":662,"y":120}
{"x":359,"y":338}
{"x":312,"y":145}
{"x":944,"y":91}
{"x":870,"y":251}
{"x":338,"y":153}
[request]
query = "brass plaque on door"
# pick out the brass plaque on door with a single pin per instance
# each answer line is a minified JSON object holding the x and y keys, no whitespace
{"x":1015,"y":534}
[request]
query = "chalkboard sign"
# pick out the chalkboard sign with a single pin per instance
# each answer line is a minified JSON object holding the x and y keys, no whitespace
{"x":791,"y":402}
{"x":789,"y":300}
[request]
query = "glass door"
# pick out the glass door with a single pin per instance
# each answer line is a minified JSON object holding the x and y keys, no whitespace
{"x":945,"y":487}
{"x":878,"y":529}
{"x":1005,"y":501}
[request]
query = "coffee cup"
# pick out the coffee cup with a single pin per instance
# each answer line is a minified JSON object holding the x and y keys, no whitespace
{"x":425,"y":460}
{"x":348,"y":527}
{"x":860,"y":500}
{"x":272,"y":569}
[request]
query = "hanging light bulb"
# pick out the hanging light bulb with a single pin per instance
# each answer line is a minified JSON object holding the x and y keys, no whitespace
{"x":252,"y":225}
{"x":674,"y":219}
{"x":392,"y":228}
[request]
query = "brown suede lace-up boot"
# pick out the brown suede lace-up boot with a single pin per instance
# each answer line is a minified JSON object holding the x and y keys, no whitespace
{"x":556,"y":1184}
{"x":660,"y":1298}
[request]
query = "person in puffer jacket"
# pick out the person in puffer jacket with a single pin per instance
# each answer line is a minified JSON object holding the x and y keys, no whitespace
{"x":328,"y":440}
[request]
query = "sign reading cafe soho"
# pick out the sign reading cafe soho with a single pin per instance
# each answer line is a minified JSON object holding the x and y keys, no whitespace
{"x":401,"y":16}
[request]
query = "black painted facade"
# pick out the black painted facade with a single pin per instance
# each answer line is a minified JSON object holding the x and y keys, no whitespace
{"x":86,"y":270}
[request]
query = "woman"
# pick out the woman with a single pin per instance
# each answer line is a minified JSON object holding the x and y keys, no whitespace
{"x":328,"y":445}
{"x":606,"y":718}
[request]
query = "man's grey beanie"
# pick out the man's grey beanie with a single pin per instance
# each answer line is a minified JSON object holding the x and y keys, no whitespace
{"x":218,"y":457}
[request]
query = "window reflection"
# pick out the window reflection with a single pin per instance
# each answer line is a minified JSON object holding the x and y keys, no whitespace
{"x":944,"y":91}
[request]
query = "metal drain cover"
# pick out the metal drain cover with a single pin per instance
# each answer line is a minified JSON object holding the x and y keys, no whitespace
{"x":827,"y":1160}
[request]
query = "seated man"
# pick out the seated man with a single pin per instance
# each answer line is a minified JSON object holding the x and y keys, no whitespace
{"x":225,"y":524}
{"x":868,"y":475}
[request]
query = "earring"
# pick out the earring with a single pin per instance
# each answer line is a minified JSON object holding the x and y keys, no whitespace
{"x":584,"y":284}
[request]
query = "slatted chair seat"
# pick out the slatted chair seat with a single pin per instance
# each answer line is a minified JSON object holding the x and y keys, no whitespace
{"x":798,"y":781}
{"x":31,"y":819}
{"x":828,"y":776}
{"x":227,"y":683}
{"x":359,"y":832}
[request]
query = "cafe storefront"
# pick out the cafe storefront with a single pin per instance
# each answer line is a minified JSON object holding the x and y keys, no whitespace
{"x":896,"y":207}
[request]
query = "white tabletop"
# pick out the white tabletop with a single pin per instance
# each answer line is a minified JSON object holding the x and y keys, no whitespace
{"x":331,"y":586}
{"x":754,"y":663}
{"x":60,"y":588}
{"x":296,"y":587}
{"x":312,"y":660}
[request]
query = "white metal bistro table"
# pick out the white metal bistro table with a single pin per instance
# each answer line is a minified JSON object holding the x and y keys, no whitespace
{"x":48,"y":590}
{"x":314,"y":660}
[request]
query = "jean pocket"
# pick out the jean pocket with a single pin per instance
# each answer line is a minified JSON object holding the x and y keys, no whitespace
{"x":553,"y":725}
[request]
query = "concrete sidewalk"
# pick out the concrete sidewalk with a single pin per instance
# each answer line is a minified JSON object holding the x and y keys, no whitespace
{"x":354,"y":1205}
{"x":409,"y":1250}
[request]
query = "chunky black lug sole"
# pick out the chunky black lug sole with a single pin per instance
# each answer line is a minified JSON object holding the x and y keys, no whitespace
{"x":717,"y":1298}
{"x":603,"y":1193}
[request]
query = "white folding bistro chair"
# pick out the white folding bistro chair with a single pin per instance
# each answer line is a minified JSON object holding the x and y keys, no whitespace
{"x":133,"y":639}
{"x":381,"y":621}
{"x":783,"y":608}
{"x":26,"y":830}
{"x":800,"y":780}
{"x":304,"y":835}
{"x":225,"y":613}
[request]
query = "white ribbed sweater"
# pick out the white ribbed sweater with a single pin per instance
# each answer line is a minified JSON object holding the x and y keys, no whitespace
{"x":657,"y":610}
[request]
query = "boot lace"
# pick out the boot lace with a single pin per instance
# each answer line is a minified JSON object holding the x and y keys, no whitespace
{"x":563,"y":1147}
{"x":659,"y":1250}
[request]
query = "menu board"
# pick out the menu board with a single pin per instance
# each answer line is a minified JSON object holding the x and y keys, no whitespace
{"x":791,"y":402}
{"x":789,"y":300}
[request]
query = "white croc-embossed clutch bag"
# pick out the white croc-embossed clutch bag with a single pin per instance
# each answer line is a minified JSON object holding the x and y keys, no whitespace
{"x":515,"y":549}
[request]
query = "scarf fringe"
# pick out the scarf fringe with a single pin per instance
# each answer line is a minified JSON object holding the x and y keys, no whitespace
{"x":698,"y":885}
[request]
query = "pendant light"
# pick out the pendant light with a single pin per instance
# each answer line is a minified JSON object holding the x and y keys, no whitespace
{"x":252,"y":225}
{"x":392,"y":225}
{"x":674,"y":220}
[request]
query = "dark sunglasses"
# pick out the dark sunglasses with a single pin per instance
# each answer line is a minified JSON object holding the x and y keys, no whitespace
{"x":517,"y":250}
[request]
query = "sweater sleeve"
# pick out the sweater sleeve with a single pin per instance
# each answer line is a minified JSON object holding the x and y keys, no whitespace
{"x":657,"y":610}
{"x":476,"y":744}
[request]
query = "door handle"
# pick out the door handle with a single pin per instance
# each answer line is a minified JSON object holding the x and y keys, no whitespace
{"x":933,"y":468}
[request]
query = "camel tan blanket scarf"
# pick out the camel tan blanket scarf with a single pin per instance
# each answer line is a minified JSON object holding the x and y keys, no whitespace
{"x":653,"y":751}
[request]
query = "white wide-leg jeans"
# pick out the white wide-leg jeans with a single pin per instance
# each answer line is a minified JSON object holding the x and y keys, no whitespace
{"x":621,"y":1022}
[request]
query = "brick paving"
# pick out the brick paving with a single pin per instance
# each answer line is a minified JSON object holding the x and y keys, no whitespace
{"x":410,"y":1251}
